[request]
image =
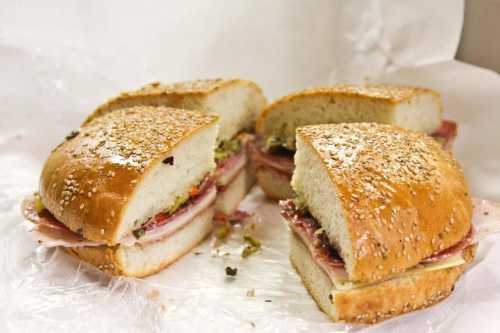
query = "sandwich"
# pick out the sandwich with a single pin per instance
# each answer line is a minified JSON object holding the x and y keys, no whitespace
{"x":381,"y":221}
{"x":236,"y":102}
{"x":409,"y":107}
{"x":130,"y":191}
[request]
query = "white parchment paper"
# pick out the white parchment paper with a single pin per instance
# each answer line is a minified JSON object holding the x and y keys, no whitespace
{"x":59,"y":60}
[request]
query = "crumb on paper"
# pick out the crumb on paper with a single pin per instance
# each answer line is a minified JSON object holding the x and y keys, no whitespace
{"x":198,"y":253}
{"x":230,"y":271}
{"x":253,"y":246}
{"x":268,"y":301}
{"x":163,"y":308}
{"x":153,"y":294}
{"x":251,"y":293}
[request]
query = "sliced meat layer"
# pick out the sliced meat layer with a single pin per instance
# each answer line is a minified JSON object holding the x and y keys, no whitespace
{"x":47,"y":230}
{"x":311,"y":234}
{"x":446,"y":133}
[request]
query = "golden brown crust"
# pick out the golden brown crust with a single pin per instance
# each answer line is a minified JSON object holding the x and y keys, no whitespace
{"x":104,"y":258}
{"x":403,"y":196}
{"x":275,"y":184}
{"x":391,"y":94}
{"x":107,"y":259}
{"x":87,"y":181}
{"x":381,"y":301}
{"x":188,"y":95}
{"x":394,"y":297}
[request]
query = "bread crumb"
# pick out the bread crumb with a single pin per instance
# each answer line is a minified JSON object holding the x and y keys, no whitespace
{"x":153,"y":295}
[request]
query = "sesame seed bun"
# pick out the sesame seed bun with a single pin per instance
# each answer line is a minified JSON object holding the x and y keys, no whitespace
{"x":108,"y":177}
{"x":236,"y":102}
{"x":409,"y":107}
{"x":146,"y":259}
{"x":387,"y":197}
{"x":379,"y":301}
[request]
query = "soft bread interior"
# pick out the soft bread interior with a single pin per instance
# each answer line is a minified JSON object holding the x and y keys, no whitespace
{"x":311,"y":183}
{"x":237,"y":107}
{"x":236,"y":104}
{"x":228,"y":200}
{"x":164,"y":183}
{"x":419,"y":113}
{"x":316,"y":281}
{"x":146,"y":259}
{"x":422,"y":112}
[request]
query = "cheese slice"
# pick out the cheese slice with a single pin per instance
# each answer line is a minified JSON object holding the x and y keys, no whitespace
{"x":341,"y":283}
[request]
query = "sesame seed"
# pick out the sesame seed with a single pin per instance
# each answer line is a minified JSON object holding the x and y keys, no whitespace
{"x":82,"y":206}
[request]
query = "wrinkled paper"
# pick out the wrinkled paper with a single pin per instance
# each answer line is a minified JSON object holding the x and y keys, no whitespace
{"x":58,"y":63}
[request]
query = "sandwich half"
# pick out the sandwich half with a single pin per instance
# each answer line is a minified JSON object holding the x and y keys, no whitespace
{"x":236,"y":102}
{"x":381,"y":224}
{"x":129,"y":192}
{"x":409,"y":107}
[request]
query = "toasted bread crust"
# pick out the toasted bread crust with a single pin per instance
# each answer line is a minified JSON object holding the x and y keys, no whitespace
{"x":113,"y":259}
{"x":87,"y":181}
{"x":107,"y":259}
{"x":186,"y":95}
{"x":103,"y":257}
{"x":404,"y":198}
{"x":275,"y":184}
{"x":395,"y":297}
{"x":381,"y":301}
{"x":391,"y":94}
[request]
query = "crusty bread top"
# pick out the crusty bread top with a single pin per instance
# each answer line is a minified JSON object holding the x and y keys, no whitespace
{"x":188,"y":94}
{"x":88,"y":179}
{"x":388,"y":93}
{"x":403,"y":196}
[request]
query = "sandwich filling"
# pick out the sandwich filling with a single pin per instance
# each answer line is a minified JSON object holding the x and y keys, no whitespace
{"x":231,"y":158}
{"x":309,"y":231}
{"x":48,"y":231}
{"x":273,"y":154}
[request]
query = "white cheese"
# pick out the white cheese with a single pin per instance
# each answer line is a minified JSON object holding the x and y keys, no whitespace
{"x":341,"y":283}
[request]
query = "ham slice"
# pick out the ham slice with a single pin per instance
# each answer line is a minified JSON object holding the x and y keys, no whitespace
{"x":446,"y":133}
{"x":307,"y":229}
{"x":451,"y":251}
{"x":47,"y":230}
{"x":229,"y":168}
{"x":280,"y":162}
{"x":486,"y":221}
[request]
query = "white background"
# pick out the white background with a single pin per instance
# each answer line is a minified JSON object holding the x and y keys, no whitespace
{"x":58,"y":60}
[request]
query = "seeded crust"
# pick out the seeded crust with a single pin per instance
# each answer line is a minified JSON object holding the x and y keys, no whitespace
{"x":185,"y":95}
{"x":275,"y":184}
{"x":381,"y":301}
{"x":87,"y":180}
{"x":382,"y":98}
{"x":111,"y":259}
{"x":404,"y":198}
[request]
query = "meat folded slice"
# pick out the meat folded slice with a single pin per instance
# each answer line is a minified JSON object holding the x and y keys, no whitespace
{"x":486,"y":221}
{"x":229,"y":168}
{"x":281,"y":162}
{"x":446,"y":133}
{"x":48,"y":231}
